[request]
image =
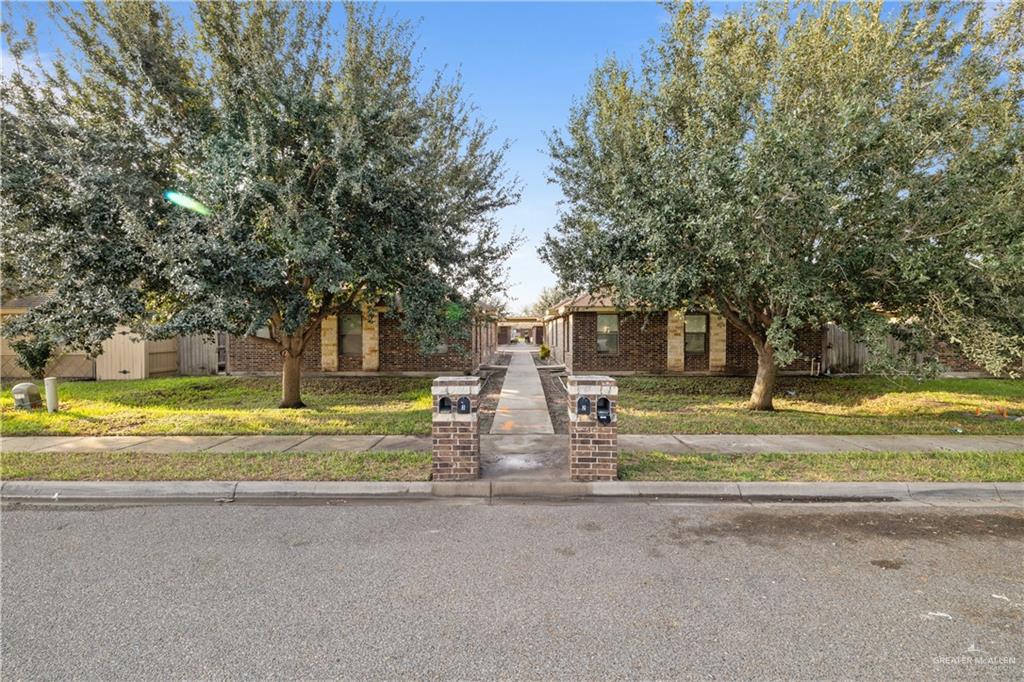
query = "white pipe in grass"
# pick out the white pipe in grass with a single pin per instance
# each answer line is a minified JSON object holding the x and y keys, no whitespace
{"x":51,"y":394}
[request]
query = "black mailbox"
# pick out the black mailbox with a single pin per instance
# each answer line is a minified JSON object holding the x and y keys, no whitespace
{"x":464,"y":406}
{"x":444,"y":404}
{"x":604,"y":411}
{"x":583,"y":405}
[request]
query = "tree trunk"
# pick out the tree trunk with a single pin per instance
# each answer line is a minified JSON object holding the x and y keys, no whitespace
{"x":291,"y":377}
{"x":764,"y":383}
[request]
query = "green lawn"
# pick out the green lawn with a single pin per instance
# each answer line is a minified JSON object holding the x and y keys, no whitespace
{"x":227,"y":405}
{"x":204,"y":466}
{"x":846,"y":466}
{"x":823,"y":406}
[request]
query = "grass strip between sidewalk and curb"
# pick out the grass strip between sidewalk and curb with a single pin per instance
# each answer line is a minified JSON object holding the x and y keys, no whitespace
{"x":205,"y":466}
{"x":415,"y":466}
{"x":843,"y":466}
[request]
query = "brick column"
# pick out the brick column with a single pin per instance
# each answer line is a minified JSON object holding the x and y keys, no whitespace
{"x":456,"y":432}
{"x":593,"y":445}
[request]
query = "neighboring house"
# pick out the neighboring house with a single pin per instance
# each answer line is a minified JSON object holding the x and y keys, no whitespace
{"x":369,"y":342}
{"x":352,"y":343}
{"x":124,"y":355}
{"x":522,"y":327}
{"x":588,"y":334}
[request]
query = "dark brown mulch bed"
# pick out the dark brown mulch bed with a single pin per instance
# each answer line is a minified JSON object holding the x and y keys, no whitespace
{"x":554,"y":393}
{"x":544,"y":363}
{"x":490,"y":391}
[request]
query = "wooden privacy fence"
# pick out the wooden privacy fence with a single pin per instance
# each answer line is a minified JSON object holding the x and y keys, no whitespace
{"x":197,"y":355}
{"x":843,"y":354}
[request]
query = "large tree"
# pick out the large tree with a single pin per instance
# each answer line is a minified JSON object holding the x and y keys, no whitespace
{"x":252,"y":168}
{"x":790,"y":165}
{"x":547,"y":298}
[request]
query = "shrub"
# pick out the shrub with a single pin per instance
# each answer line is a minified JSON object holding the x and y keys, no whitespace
{"x":545,"y":352}
{"x":34,"y":352}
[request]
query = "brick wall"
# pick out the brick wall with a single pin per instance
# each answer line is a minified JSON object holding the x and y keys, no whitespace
{"x":696,"y":362}
{"x":952,"y":359}
{"x":399,"y":354}
{"x":642,"y":347}
{"x":741,"y":358}
{"x":246,"y":354}
{"x":455,"y":436}
{"x":593,"y":446}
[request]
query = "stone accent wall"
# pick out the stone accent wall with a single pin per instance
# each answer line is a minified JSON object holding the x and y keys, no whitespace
{"x":742,"y":358}
{"x":456,"y":435}
{"x":717,"y":343}
{"x":329,"y":343}
{"x":642,"y":347}
{"x":370,"y":362}
{"x":675,"y":328}
{"x":246,"y":355}
{"x":593,"y":446}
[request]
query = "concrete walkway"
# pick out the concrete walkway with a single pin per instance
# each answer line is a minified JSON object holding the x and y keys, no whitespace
{"x":494,"y":446}
{"x":522,"y":408}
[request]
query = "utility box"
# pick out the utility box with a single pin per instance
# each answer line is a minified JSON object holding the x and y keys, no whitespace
{"x":456,"y":428}
{"x":26,"y":396}
{"x":593,"y":428}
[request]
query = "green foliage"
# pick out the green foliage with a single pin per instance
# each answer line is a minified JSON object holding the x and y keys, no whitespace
{"x":544,"y":352}
{"x":547,"y":299}
{"x":33,"y":354}
{"x":831,"y":466}
{"x":337,"y":174}
{"x":795,"y":164}
{"x":401,"y":465}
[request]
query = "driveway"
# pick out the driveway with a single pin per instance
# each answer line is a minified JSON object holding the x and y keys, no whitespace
{"x":537,"y":591}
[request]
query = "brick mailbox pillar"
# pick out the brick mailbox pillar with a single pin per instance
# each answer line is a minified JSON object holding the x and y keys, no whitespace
{"x":593,"y":428}
{"x":456,"y":430}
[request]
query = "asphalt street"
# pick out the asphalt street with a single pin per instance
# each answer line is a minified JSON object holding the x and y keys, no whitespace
{"x":524,"y":591}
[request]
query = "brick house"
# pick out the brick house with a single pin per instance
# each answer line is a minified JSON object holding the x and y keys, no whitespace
{"x":369,"y":342}
{"x":588,"y":334}
{"x":522,"y":327}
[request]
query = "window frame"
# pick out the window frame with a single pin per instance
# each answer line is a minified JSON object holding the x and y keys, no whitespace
{"x":598,"y":333}
{"x":688,"y":334}
{"x":342,"y":335}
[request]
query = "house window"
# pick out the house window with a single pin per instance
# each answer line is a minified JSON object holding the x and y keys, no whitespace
{"x":608,"y":334}
{"x":696,"y":334}
{"x":352,"y":334}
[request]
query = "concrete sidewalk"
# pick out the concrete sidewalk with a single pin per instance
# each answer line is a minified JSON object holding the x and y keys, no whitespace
{"x":504,"y":444}
{"x":522,"y":407}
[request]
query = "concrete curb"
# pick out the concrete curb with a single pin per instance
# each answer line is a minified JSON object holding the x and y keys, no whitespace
{"x":938,"y":494}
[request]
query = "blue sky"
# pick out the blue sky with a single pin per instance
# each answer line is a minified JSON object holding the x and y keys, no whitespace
{"x":523,"y":64}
